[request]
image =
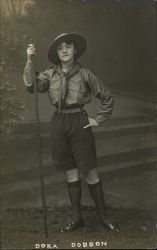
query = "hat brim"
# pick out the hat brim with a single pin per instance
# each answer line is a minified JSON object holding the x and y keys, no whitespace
{"x":78,"y":40}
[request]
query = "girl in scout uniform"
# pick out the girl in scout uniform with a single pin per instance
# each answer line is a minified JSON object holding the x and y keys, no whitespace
{"x":70,"y":86}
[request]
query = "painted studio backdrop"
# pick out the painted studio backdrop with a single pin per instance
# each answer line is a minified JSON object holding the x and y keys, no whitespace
{"x":121,"y":51}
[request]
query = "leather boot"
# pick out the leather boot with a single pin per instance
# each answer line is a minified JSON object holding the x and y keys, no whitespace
{"x":74,"y":189}
{"x":96,"y":192}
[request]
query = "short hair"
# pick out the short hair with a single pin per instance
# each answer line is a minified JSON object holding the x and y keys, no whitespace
{"x":68,"y":41}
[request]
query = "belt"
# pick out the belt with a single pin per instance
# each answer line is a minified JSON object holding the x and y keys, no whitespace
{"x":72,"y":110}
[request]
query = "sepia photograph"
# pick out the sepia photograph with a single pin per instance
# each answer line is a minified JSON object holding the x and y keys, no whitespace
{"x":78,"y":124}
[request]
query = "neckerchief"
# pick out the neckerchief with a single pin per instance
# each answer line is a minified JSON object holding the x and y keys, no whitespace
{"x":64,"y":80}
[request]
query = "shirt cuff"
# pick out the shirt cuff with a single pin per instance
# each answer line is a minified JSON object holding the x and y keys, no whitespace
{"x":27,"y":76}
{"x":100,"y":119}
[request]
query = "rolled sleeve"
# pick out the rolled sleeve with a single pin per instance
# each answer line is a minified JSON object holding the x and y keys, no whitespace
{"x":42,"y":79}
{"x":100,"y":91}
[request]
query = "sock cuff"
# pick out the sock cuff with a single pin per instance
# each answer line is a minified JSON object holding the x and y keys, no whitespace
{"x":94,"y":185}
{"x":73,"y":183}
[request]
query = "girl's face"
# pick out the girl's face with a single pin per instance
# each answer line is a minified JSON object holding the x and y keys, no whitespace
{"x":66,"y":52}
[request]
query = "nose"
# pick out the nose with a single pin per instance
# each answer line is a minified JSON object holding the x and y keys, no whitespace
{"x":64,"y":49}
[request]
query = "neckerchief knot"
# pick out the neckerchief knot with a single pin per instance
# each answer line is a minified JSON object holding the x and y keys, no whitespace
{"x":75,"y":67}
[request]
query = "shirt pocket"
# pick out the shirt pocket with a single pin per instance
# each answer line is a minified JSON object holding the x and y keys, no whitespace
{"x":54,"y":91}
{"x":76,"y":91}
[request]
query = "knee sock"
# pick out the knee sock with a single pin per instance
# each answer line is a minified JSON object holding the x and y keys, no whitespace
{"x":96,"y":192}
{"x":74,"y":189}
{"x":98,"y":197}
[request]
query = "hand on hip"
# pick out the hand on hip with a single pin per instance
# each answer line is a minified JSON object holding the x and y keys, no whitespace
{"x":92,"y":123}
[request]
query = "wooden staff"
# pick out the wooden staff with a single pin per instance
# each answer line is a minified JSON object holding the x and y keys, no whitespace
{"x":42,"y":185}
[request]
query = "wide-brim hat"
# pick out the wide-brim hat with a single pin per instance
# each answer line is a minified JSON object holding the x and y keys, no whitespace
{"x":78,"y":40}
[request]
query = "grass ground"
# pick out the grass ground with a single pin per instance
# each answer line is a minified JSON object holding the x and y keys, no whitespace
{"x":23,"y":229}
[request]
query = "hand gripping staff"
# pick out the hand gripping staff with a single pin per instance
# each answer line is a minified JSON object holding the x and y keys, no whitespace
{"x":41,"y":169}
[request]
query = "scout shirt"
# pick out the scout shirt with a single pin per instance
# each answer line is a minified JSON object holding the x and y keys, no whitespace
{"x":71,"y":89}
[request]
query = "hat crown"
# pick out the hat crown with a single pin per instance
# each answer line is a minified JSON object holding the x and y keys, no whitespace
{"x":61,"y":35}
{"x":78,"y":39}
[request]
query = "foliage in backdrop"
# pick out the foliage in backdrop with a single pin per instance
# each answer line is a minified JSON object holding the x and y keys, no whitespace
{"x":13,"y":44}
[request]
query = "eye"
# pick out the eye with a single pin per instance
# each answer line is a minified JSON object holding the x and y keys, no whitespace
{"x":59,"y":48}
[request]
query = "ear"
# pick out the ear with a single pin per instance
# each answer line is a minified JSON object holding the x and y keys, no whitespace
{"x":75,"y":50}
